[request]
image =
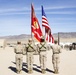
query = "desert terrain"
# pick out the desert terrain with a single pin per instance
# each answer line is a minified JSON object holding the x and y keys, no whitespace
{"x":67,"y":62}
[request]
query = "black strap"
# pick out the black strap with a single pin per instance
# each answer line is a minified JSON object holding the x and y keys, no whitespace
{"x":42,"y":45}
{"x":56,"y":53}
{"x":30,"y":46}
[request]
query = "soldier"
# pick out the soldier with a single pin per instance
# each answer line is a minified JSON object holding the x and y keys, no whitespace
{"x":56,"y":49}
{"x":42,"y":54}
{"x":19,"y":57}
{"x":30,"y":48}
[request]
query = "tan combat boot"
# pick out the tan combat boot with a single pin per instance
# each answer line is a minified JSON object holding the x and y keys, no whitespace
{"x":43,"y":71}
{"x":18,"y":72}
{"x":30,"y":71}
{"x":56,"y":71}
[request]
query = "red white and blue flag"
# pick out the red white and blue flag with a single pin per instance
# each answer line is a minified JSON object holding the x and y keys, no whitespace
{"x":48,"y":35}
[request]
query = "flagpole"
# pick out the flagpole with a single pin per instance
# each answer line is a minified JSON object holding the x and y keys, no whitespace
{"x":43,"y":28}
{"x":58,"y":38}
{"x":31,"y":19}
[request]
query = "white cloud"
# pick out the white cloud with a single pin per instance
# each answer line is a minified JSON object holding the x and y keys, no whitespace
{"x":25,"y":10}
{"x":63,"y":19}
{"x":64,"y":12}
{"x":59,"y":7}
{"x":14,"y":9}
{"x":16,"y":13}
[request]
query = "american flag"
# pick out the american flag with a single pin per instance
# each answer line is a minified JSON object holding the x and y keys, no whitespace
{"x":48,"y":35}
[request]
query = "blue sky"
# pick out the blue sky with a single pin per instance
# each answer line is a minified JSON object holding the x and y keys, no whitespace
{"x":15,"y":15}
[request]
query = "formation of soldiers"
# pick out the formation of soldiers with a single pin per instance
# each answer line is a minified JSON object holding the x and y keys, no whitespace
{"x":30,"y":48}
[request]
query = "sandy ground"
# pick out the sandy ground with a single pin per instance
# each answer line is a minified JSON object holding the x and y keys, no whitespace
{"x":8,"y":66}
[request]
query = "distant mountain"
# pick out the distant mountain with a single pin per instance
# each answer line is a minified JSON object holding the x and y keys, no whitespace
{"x":65,"y":35}
{"x":22,"y":36}
{"x":25,"y":36}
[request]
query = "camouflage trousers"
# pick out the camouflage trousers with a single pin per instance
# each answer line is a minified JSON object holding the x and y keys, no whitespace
{"x":19,"y":61}
{"x":55,"y":61}
{"x":43,"y":60}
{"x":30,"y":60}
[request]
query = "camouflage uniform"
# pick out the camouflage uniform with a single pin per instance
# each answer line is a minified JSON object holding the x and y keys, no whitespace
{"x":55,"y":57}
{"x":30,"y":48}
{"x":42,"y":55}
{"x":19,"y":57}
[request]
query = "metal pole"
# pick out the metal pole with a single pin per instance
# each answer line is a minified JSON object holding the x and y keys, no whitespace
{"x":58,"y":38}
{"x":31,"y":18}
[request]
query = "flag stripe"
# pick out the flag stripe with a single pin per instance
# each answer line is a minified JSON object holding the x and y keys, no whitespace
{"x":45,"y":25}
{"x":45,"y":22}
{"x":43,"y":17}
